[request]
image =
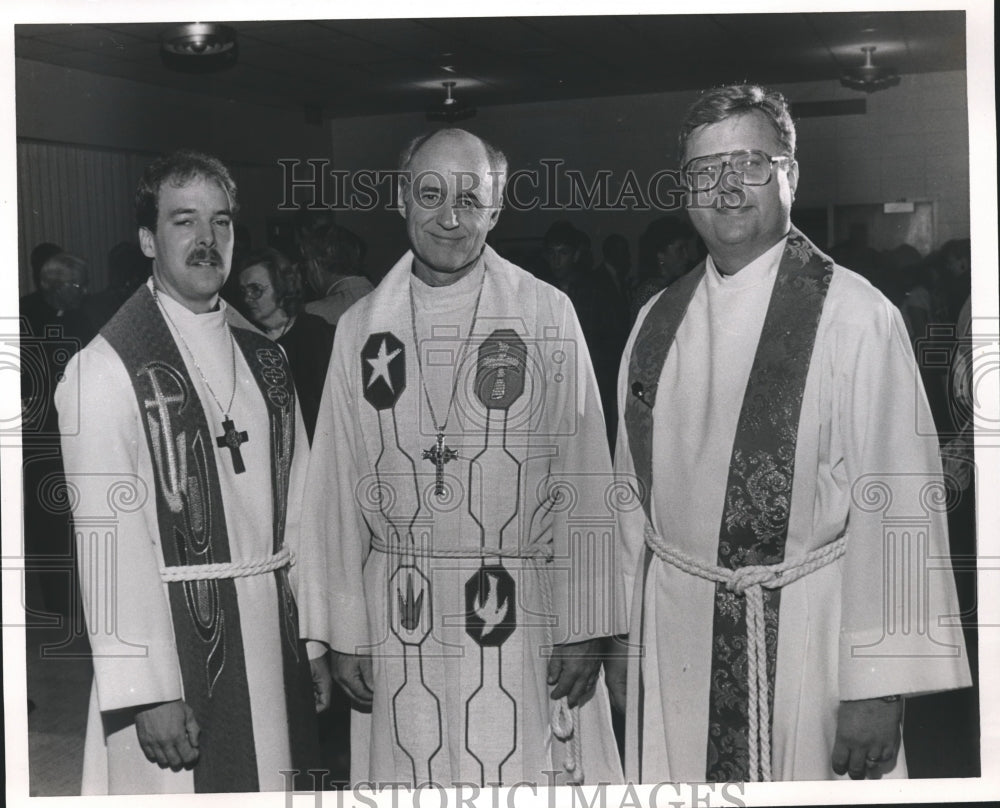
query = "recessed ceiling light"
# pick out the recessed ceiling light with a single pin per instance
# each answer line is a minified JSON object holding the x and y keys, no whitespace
{"x":198,"y":47}
{"x":198,"y":39}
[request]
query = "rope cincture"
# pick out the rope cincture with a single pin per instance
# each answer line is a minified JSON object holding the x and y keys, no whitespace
{"x":750,"y":582}
{"x":563,"y":720}
{"x":231,"y":569}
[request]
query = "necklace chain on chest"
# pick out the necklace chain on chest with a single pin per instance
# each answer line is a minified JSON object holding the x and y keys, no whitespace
{"x":439,"y":453}
{"x":231,"y":438}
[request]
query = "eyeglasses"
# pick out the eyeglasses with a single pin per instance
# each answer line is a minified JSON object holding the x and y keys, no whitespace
{"x":753,"y":166}
{"x":253,"y":291}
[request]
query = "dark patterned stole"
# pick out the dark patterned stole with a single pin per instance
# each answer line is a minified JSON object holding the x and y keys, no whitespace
{"x":755,"y":515}
{"x":274,"y":378}
{"x":193,"y":531}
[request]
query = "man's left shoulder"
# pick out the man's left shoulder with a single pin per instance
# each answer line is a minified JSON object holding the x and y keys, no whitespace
{"x":236,"y":320}
{"x":253,"y":340}
{"x":853,"y":300}
{"x":526,"y":283}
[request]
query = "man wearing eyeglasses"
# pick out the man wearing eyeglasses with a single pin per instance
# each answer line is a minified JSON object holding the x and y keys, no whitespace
{"x":54,"y":326}
{"x":770,"y":404}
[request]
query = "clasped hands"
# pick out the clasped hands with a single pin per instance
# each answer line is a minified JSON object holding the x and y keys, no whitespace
{"x":168,"y":734}
{"x":867,"y":739}
{"x":572,"y":672}
{"x":168,"y":731}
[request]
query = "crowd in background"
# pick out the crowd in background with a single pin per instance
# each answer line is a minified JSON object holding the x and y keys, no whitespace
{"x":297,"y":295}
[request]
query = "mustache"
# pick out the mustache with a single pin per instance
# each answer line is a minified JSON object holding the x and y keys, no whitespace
{"x":204,"y":254}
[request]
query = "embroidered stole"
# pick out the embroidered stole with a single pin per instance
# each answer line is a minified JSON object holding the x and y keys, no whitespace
{"x":193,"y":531}
{"x":754,"y":523}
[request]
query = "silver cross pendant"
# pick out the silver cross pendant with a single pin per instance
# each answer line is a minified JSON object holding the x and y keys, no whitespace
{"x":439,"y":454}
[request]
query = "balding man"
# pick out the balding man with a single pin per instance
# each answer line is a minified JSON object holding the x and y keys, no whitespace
{"x":461,"y":476}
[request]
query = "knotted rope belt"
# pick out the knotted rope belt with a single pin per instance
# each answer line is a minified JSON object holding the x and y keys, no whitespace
{"x":231,"y":569}
{"x":750,"y":582}
{"x":562,"y":720}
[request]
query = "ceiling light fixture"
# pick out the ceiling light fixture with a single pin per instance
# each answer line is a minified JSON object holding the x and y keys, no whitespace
{"x":870,"y":78}
{"x":199,"y":47}
{"x":451,"y":109}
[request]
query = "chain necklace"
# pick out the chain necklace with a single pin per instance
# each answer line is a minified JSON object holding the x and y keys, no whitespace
{"x":439,"y":453}
{"x":231,"y":438}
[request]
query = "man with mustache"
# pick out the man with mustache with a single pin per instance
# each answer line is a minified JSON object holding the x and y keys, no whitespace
{"x":185,"y":455}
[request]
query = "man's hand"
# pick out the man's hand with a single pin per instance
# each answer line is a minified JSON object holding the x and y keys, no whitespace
{"x":168,"y":734}
{"x":573,"y":669}
{"x":616,"y":678}
{"x":867,"y":738}
{"x":322,"y":682}
{"x":353,"y":672}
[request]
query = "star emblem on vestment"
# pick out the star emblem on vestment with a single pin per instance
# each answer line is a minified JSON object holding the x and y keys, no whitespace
{"x":383,"y":369}
{"x":380,"y":365}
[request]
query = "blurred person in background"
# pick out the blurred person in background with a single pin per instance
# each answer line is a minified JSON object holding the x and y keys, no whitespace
{"x":54,"y":327}
{"x":128,"y":269}
{"x":272,"y":297}
{"x":333,"y":261}
{"x":666,"y":252}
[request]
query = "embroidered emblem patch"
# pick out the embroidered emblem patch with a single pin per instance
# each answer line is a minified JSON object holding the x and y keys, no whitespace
{"x":383,"y":370}
{"x":273,"y":373}
{"x":168,"y":390}
{"x":500,"y":369}
{"x":409,"y":604}
{"x":490,"y":610}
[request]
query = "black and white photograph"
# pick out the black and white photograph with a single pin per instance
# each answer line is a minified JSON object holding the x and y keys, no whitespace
{"x":476,"y":404}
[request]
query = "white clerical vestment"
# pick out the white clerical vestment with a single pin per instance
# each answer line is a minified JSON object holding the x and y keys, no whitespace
{"x":457,"y":581}
{"x":110,"y":472}
{"x":880,"y":620}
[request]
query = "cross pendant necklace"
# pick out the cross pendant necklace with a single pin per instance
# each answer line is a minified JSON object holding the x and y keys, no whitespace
{"x":439,"y":453}
{"x":231,"y":438}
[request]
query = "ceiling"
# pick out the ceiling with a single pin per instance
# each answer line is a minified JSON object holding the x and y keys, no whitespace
{"x":364,"y":67}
